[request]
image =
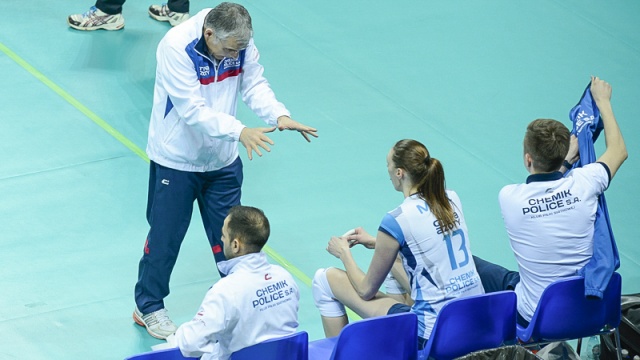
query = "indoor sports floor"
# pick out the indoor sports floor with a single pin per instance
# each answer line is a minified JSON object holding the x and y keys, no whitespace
{"x":464,"y":77}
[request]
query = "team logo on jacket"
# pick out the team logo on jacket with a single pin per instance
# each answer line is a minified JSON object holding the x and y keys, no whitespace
{"x":231,"y":63}
{"x":273,"y":295}
{"x":204,"y":70}
{"x":583,"y":119}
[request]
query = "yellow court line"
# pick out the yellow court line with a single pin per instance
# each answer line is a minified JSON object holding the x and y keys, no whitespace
{"x":300,"y":275}
{"x":75,"y":103}
{"x":126,"y":142}
{"x":287,"y":265}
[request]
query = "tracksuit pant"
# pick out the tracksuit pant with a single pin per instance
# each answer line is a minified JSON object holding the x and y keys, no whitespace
{"x":172,"y":194}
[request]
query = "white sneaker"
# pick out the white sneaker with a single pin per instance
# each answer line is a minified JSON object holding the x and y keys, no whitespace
{"x":95,"y":19}
{"x":157,"y":323}
{"x":162,"y":13}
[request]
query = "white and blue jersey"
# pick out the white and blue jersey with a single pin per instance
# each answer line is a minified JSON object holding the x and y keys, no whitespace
{"x":550,"y":225}
{"x":438,"y":263}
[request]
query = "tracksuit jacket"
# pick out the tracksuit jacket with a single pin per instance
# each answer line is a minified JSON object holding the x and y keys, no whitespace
{"x":193,"y":125}
{"x":255,"y":302}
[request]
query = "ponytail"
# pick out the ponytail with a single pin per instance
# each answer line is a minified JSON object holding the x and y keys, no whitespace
{"x":432,"y":189}
{"x":427,"y":174}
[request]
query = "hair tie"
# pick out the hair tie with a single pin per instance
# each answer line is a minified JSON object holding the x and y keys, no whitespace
{"x":427,"y":160}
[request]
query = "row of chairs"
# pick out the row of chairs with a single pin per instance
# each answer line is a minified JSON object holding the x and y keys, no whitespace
{"x":463,"y":326}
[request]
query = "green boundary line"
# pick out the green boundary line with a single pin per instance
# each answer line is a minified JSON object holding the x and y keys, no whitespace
{"x":75,"y":103}
{"x":133,"y":147}
{"x":287,"y":265}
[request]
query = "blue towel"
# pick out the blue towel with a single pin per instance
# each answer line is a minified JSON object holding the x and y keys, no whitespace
{"x":587,"y":125}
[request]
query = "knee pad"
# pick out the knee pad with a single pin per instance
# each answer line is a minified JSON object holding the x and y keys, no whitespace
{"x":323,"y":296}
{"x":393,"y":286}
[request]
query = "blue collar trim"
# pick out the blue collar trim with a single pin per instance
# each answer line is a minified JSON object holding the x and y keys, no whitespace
{"x":556,"y":175}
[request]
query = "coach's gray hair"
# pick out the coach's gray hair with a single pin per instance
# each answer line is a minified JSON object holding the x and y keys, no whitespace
{"x":230,"y":20}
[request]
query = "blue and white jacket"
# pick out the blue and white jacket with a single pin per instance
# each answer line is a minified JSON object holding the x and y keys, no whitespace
{"x":193,"y":125}
{"x":255,"y":302}
{"x":587,"y":125}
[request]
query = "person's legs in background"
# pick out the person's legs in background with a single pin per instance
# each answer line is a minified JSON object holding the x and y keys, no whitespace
{"x":111,"y":7}
{"x":174,"y":11}
{"x":181,"y":6}
{"x":105,"y":14}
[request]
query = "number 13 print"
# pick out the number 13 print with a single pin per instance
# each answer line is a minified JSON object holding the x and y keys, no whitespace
{"x":449,"y":239}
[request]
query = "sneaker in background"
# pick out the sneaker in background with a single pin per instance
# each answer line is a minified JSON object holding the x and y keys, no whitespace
{"x":95,"y":19}
{"x":162,"y":13}
{"x":157,"y":323}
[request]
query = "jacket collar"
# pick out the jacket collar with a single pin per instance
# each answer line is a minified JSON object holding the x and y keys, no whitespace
{"x":249,"y":261}
{"x":556,"y":175}
{"x":201,"y":47}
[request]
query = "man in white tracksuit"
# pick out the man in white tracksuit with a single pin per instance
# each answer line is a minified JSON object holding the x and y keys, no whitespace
{"x":202,"y":66}
{"x":255,"y":302}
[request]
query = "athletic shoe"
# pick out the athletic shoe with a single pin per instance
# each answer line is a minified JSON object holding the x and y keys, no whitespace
{"x":157,"y":323}
{"x":95,"y":19}
{"x":162,"y":13}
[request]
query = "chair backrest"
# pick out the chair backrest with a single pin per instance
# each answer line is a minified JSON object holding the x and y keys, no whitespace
{"x":164,"y":354}
{"x":473,"y":323}
{"x":564,"y":312}
{"x":291,"y":347}
{"x":390,"y":337}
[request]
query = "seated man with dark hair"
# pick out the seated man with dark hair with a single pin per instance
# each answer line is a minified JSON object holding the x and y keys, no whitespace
{"x":255,"y":302}
{"x":550,"y":219}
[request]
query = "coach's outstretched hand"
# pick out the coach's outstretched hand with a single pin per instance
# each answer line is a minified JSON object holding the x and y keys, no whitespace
{"x":254,"y":138}
{"x":287,"y":123}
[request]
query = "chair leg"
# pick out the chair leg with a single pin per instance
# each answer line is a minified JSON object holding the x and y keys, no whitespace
{"x":579,"y":346}
{"x":618,"y":350}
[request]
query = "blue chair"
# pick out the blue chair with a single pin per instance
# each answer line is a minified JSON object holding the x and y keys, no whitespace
{"x":290,"y":347}
{"x":390,"y":337}
{"x":564,"y":313}
{"x":472,"y":323}
{"x":164,"y":354}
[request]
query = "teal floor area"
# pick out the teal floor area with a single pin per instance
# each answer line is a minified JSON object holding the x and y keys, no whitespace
{"x":463,"y":77}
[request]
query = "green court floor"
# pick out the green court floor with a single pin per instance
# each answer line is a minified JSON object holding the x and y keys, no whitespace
{"x":464,"y":77}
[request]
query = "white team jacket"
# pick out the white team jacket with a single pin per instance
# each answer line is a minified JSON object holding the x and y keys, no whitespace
{"x":193,"y":125}
{"x":257,"y":301}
